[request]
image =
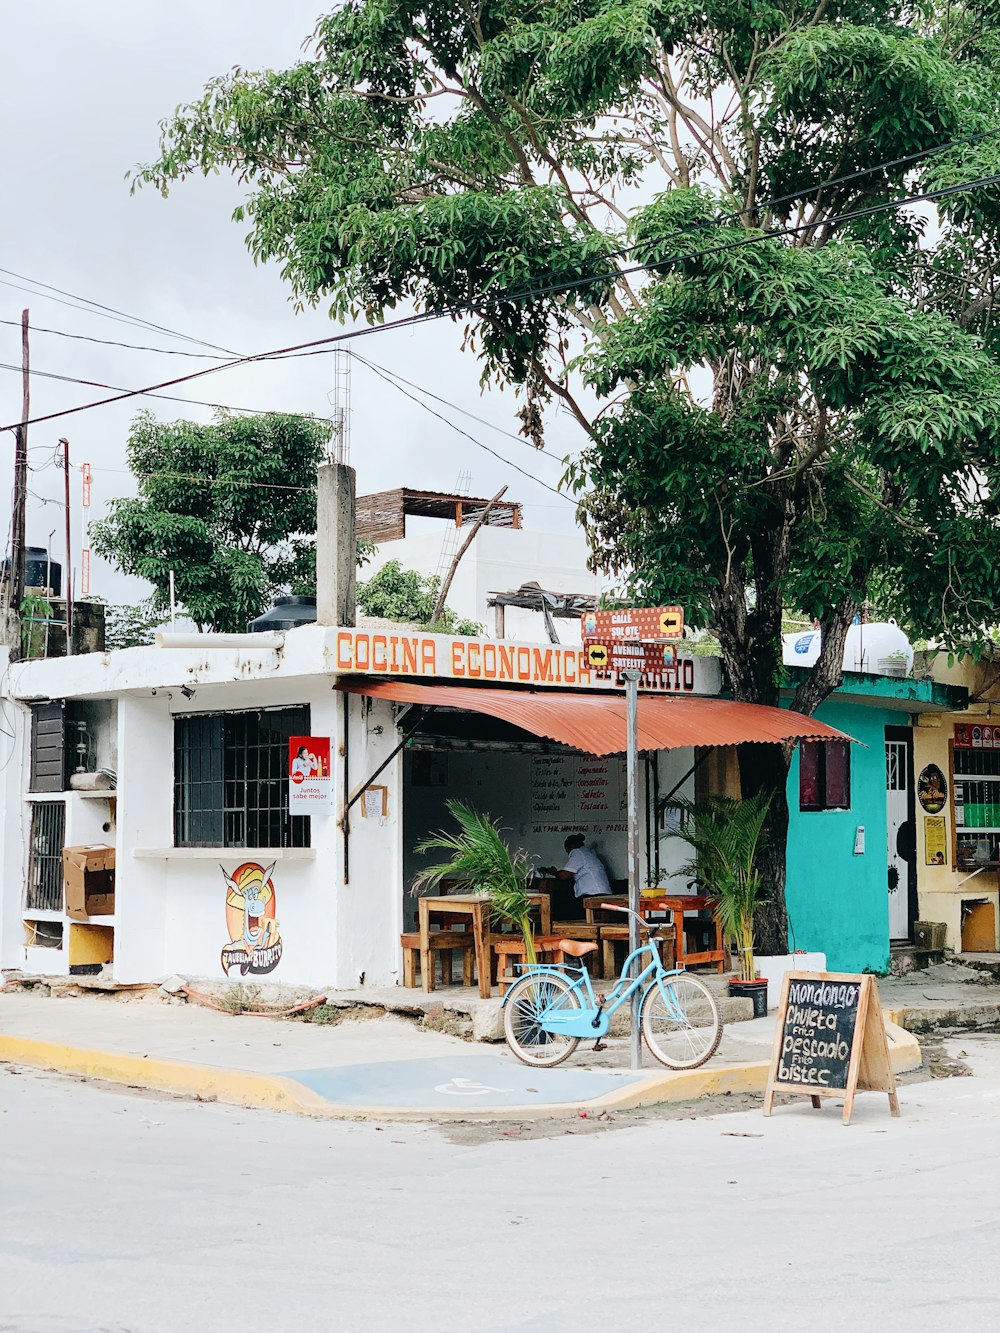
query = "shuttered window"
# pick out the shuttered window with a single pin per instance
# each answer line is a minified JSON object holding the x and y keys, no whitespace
{"x":48,"y":747}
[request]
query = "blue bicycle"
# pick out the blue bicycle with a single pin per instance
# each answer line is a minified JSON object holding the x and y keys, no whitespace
{"x":552,"y":1007}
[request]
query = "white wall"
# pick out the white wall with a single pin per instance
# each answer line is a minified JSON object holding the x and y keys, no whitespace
{"x":500,"y":560}
{"x":171,"y":908}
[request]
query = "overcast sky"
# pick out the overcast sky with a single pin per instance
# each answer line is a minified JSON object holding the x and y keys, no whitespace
{"x":83,"y":89}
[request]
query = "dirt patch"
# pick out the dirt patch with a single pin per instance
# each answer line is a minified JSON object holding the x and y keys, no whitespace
{"x":472,"y":1133}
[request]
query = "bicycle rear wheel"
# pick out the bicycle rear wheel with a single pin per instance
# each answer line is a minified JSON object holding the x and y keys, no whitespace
{"x":529,"y":999}
{"x":680,"y":1021}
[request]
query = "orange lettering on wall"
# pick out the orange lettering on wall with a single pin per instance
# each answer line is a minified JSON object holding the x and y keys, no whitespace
{"x":428,"y":657}
{"x":380,"y":660}
{"x":524,"y":663}
{"x":541,"y":664}
{"x":474,"y":658}
{"x":457,"y":658}
{"x":410,"y":657}
{"x":506,"y":662}
{"x":345,"y":658}
{"x":490,"y":661}
{"x":362,"y":652}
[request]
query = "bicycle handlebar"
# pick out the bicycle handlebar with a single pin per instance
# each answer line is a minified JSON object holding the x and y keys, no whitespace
{"x":651,"y":927}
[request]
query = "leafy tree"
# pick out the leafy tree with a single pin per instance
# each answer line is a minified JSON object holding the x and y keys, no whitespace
{"x":221,"y":506}
{"x":131,"y":626}
{"x":405,"y":595}
{"x":800,"y":396}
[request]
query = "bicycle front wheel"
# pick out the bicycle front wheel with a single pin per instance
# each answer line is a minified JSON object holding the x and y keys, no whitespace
{"x":529,"y":1000}
{"x":680,"y":1021}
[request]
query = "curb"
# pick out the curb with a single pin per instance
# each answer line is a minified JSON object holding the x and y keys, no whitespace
{"x":272,"y":1092}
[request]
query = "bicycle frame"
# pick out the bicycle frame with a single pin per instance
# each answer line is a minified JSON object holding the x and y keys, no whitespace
{"x":592,"y":1020}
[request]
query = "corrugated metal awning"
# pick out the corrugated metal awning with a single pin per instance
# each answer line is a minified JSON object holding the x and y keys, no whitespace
{"x":596,"y":722}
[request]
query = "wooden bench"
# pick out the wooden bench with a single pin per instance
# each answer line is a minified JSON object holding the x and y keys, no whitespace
{"x":512,"y":947}
{"x":614,"y":935}
{"x":443,"y":943}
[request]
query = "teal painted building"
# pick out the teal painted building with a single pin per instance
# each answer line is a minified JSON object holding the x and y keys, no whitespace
{"x":839,"y":897}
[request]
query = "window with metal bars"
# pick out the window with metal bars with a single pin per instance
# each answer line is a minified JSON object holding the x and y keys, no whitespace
{"x":231,"y":779}
{"x":45,"y":869}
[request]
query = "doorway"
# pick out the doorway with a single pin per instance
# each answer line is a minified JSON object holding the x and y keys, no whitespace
{"x":900,"y":832}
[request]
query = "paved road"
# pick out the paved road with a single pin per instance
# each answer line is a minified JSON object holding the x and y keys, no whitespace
{"x":125,"y":1211}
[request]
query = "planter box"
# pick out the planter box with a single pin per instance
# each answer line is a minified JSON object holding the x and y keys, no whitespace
{"x":775,"y":967}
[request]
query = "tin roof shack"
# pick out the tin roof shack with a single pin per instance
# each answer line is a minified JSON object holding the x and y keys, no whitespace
{"x":852,"y":873}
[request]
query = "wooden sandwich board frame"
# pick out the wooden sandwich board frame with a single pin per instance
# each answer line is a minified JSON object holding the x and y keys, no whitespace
{"x":869,"y":1069}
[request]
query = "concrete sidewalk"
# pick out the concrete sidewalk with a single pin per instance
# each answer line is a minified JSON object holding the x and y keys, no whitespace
{"x":382,"y":1068}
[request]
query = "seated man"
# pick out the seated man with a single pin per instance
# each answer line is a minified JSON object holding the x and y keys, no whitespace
{"x":585,"y":870}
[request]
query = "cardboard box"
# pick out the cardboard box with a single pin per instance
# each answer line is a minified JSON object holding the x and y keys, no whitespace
{"x":89,"y":881}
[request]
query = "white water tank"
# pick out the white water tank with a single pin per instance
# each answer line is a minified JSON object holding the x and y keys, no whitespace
{"x":881,"y":649}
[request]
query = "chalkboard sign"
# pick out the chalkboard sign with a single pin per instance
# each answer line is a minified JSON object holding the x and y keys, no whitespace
{"x":830,"y":1040}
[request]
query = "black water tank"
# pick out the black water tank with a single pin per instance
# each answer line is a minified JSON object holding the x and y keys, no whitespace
{"x":286,"y":613}
{"x":38,"y":571}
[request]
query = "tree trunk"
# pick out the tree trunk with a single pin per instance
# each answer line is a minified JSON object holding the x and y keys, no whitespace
{"x":764,"y":770}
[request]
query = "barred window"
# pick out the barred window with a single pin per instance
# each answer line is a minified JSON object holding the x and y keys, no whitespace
{"x":231,"y":779}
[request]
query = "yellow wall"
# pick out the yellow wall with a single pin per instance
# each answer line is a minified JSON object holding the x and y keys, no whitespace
{"x":941,"y":889}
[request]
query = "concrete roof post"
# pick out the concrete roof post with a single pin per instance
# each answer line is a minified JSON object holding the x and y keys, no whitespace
{"x":336,"y":544}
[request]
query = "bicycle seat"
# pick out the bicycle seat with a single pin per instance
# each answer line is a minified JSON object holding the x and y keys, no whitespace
{"x":577,"y":948}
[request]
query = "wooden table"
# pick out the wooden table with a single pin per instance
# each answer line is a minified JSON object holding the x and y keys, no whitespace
{"x":476,"y":906}
{"x":677,"y":905}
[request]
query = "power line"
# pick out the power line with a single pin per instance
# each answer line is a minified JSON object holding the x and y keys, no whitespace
{"x":109,"y":342}
{"x":392,"y":375}
{"x":479,"y":444}
{"x":110,"y":312}
{"x":316,"y":347}
{"x":172,"y":398}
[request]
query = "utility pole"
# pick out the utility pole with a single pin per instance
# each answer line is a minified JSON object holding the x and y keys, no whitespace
{"x":632,"y":777}
{"x":69,"y":557}
{"x":15,"y":577}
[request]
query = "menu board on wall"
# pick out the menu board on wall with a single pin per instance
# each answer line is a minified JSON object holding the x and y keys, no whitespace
{"x":570,"y":792}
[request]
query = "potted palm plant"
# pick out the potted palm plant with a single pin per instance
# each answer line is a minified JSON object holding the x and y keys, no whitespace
{"x":480,"y":857}
{"x":724,"y":833}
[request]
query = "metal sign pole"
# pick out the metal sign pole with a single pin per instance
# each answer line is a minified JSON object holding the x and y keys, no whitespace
{"x":632,"y":774}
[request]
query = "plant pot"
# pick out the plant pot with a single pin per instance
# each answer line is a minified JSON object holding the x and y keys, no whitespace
{"x":751,"y":990}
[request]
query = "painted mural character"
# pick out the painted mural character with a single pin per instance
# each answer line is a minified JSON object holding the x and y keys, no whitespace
{"x":255,"y":940}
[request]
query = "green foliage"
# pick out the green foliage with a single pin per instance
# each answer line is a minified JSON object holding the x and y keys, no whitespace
{"x":35,"y":610}
{"x":220,"y":505}
{"x":809,"y":420}
{"x":131,"y":626}
{"x":394,"y":593}
{"x":479,"y":856}
{"x":724,"y":833}
{"x":302,"y":580}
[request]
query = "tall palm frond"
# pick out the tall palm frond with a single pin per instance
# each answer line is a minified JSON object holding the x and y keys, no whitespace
{"x":479,"y":855}
{"x":724,"y":833}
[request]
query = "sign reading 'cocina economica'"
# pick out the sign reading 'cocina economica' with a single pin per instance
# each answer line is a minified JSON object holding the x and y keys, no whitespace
{"x":387,"y":653}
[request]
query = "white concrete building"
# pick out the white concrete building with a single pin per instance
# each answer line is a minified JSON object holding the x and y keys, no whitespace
{"x":198,"y":738}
